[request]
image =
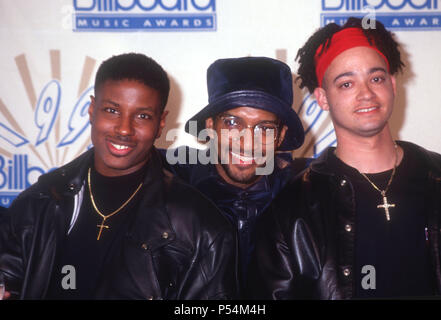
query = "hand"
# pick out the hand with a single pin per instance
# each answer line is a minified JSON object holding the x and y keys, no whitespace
{"x":3,"y":293}
{"x":6,"y":295}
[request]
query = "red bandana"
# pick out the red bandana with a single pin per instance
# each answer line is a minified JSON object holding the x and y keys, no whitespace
{"x":341,"y":41}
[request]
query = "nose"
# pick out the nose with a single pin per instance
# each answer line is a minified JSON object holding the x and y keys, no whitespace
{"x":365,"y":92}
{"x":245,"y":142}
{"x":124,"y":127}
{"x":249,"y":139}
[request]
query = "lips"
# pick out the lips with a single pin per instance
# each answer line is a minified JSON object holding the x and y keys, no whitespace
{"x":119,"y":149}
{"x":367,"y":109}
{"x":240,"y":159}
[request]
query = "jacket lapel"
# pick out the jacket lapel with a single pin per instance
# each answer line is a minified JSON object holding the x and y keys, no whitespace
{"x":150,"y":230}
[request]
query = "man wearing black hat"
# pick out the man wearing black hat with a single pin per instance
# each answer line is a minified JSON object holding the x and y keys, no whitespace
{"x":248,"y":118}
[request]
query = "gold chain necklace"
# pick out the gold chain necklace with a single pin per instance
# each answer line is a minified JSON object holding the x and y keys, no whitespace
{"x":385,"y":204}
{"x":105,"y":217}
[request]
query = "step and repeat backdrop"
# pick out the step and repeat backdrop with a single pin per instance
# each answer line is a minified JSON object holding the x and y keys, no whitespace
{"x":50,"y":51}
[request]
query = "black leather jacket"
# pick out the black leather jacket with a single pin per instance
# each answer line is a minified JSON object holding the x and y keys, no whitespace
{"x":240,"y":206}
{"x":179,"y":246}
{"x":305,"y":248}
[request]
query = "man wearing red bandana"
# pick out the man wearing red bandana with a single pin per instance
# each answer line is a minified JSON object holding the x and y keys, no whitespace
{"x":363,"y":221}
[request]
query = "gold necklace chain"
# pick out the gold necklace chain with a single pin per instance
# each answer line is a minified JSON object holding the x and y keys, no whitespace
{"x":385,"y":204}
{"x":105,"y":217}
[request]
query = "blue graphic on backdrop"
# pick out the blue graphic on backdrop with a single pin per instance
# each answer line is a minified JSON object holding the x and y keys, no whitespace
{"x":406,"y":15}
{"x":16,"y":172}
{"x":144,"y":15}
{"x":317,"y":119}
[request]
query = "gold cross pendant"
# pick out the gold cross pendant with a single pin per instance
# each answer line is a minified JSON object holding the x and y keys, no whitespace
{"x":101,"y":226}
{"x":386,"y":206}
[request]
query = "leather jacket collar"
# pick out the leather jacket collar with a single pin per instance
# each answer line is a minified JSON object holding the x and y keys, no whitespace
{"x":321,"y":164}
{"x":65,"y":183}
{"x":208,"y":175}
{"x":68,"y":179}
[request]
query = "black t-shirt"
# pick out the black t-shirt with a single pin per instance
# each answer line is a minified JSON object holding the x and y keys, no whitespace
{"x":394,"y":252}
{"x":81,"y":249}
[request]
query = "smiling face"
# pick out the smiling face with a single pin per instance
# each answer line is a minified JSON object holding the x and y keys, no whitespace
{"x":126,"y":119}
{"x":359,"y":93}
{"x":237,"y":158}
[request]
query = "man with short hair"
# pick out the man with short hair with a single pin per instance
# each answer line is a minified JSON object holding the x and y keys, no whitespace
{"x":112,"y":224}
{"x":249,"y":118}
{"x":363,"y":220}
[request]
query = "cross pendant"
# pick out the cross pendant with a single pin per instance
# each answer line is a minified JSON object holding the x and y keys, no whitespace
{"x":386,"y":206}
{"x":101,"y":226}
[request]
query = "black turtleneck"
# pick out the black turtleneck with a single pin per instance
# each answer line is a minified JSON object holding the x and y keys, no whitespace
{"x":81,"y":249}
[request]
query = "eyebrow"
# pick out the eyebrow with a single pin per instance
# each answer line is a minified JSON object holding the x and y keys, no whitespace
{"x":350,"y":73}
{"x":264,"y":121}
{"x":139,"y":109}
{"x":151,"y":109}
{"x":377,"y":69}
{"x":111,"y":102}
{"x":341,"y":75}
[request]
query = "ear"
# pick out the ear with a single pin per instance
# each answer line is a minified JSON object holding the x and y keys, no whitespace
{"x":322,"y":100}
{"x":209,"y":123}
{"x":91,"y":107}
{"x":394,"y":84}
{"x":161,"y":123}
{"x":282,"y":135}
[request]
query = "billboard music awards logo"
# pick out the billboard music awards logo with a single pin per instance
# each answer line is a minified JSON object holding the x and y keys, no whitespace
{"x":144,"y":15}
{"x":53,"y":140}
{"x":406,"y":15}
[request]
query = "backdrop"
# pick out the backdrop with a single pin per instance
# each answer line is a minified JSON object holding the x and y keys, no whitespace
{"x":51,"y":50}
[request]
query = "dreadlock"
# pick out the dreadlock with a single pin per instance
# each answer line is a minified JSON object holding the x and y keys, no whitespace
{"x":382,"y":38}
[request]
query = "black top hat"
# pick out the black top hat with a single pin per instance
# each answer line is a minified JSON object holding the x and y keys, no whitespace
{"x":257,"y":82}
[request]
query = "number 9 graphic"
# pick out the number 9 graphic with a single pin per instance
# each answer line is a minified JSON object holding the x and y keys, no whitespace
{"x":47,"y":110}
{"x":79,"y":119}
